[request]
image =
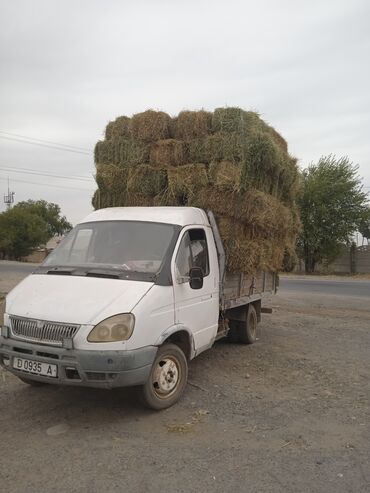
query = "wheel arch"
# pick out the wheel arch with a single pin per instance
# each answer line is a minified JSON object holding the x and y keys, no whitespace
{"x":181,"y":336}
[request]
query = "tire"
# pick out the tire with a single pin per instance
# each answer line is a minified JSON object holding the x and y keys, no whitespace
{"x":167,"y":379}
{"x":233,"y":334}
{"x":32,"y":383}
{"x":248,"y":332}
{"x":244,"y":332}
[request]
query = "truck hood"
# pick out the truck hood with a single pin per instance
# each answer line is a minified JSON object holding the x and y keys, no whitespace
{"x":74,"y":299}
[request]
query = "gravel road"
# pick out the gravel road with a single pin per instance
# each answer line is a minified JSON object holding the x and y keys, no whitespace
{"x":289,"y":414}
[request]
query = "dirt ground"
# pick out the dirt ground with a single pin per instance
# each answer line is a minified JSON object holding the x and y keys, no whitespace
{"x":289,"y":414}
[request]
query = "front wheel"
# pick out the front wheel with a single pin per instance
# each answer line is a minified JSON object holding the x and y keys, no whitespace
{"x":167,"y":379}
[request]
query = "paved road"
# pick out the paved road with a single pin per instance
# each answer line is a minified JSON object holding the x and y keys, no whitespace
{"x":290,"y":413}
{"x":11,"y":273}
{"x":7,"y":266}
{"x":356,"y":288}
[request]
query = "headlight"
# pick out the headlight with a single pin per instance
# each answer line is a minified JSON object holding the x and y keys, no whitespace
{"x":113,"y":329}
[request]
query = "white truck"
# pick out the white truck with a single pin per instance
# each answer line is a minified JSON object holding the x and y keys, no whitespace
{"x":128,"y":298}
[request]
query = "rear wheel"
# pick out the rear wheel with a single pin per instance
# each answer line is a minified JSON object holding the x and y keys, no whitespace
{"x":244,"y":332}
{"x":167,"y":379}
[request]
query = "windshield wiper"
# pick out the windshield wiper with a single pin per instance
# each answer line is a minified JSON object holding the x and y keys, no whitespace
{"x":102,"y":273}
{"x":61,"y":271}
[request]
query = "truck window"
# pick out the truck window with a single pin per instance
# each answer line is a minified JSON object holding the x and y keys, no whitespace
{"x":78,"y":252}
{"x":136,"y":246}
{"x":193,"y":252}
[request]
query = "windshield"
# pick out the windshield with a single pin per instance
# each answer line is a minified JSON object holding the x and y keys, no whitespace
{"x":125,"y":245}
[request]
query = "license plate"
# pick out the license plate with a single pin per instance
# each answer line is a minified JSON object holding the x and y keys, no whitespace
{"x":35,"y":367}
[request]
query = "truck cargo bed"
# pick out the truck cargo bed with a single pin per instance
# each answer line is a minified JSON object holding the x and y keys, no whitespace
{"x":238,"y":289}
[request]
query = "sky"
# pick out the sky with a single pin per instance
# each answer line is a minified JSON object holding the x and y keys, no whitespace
{"x":68,"y":67}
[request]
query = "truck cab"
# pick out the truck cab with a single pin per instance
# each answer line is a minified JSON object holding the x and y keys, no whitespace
{"x":128,"y":298}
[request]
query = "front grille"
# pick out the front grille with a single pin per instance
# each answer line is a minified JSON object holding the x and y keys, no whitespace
{"x":42,"y":332}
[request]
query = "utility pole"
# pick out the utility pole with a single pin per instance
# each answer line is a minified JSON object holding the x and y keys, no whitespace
{"x":9,"y":199}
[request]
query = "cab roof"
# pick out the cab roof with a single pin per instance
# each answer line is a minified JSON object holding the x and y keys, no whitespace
{"x":182,"y":216}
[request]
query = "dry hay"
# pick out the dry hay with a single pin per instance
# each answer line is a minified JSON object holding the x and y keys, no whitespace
{"x":184,"y":182}
{"x":218,"y":147}
{"x":225,"y":175}
{"x":151,"y":126}
{"x":262,"y":164}
{"x":237,"y":166}
{"x":133,"y":153}
{"x":110,"y":177}
{"x":280,"y":141}
{"x":145,"y":181}
{"x":102,"y":199}
{"x":192,"y":124}
{"x":261,"y":213}
{"x":168,"y":152}
{"x":103,"y":152}
{"x":290,"y":183}
{"x":125,"y":152}
{"x":228,"y":120}
{"x":120,"y":127}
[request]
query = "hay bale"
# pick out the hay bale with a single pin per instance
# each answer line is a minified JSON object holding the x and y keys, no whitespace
{"x":146,"y":181}
{"x":103,"y":199}
{"x":151,"y":126}
{"x":197,"y":151}
{"x":230,"y":228}
{"x":133,"y":152}
{"x":242,"y":255}
{"x":138,"y":200}
{"x":102,"y":152}
{"x":260,"y":212}
{"x":192,"y":124}
{"x":184,"y":182}
{"x":228,"y":120}
{"x":225,"y":175}
{"x":110,"y":177}
{"x":239,"y":168}
{"x":118,"y":128}
{"x":262,"y":163}
{"x":218,"y":147}
{"x":168,"y":152}
{"x":290,"y":182}
{"x":279,"y":140}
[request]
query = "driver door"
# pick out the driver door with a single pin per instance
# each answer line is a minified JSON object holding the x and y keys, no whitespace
{"x":197,"y":309}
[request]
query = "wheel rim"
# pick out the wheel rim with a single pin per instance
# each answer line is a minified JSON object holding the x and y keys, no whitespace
{"x":166,"y":377}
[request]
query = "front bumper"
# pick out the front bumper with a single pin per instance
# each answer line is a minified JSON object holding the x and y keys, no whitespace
{"x":101,"y":369}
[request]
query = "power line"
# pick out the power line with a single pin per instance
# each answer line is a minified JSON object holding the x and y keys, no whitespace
{"x":14,"y":139}
{"x":40,"y":173}
{"x":45,"y":141}
{"x":49,"y":185}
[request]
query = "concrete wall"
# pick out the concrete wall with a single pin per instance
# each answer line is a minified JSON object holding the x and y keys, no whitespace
{"x":350,"y":261}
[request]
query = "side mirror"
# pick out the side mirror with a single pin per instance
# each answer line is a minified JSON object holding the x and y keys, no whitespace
{"x":196,"y":278}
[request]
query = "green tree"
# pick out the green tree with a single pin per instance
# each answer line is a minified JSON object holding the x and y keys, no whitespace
{"x":364,"y":226}
{"x":28,"y":225}
{"x":332,"y":207}
{"x":20,"y":232}
{"x":50,"y":213}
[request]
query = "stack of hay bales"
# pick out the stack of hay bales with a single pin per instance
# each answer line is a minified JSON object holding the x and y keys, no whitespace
{"x":229,"y":161}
